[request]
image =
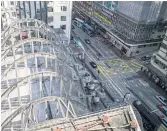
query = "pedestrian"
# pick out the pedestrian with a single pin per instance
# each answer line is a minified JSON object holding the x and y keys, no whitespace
{"x":97,"y":58}
{"x":98,"y":72}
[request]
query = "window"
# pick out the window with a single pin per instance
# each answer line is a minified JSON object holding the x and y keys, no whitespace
{"x":63,"y":8}
{"x":12,"y":3}
{"x":13,"y":14}
{"x":50,"y":9}
{"x":2,"y":3}
{"x":63,"y":18}
{"x":3,"y":15}
{"x":50,"y":19}
{"x":63,"y":27}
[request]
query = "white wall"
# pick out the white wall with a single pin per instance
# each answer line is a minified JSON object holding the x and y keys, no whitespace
{"x":57,"y":13}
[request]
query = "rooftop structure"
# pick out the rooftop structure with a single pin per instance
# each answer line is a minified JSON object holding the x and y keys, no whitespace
{"x":38,"y":76}
{"x":120,"y":119}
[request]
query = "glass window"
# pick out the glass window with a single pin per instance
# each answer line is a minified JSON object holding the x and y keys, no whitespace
{"x":32,"y":6}
{"x":50,"y":19}
{"x":63,"y":27}
{"x":12,"y":3}
{"x":38,"y":10}
{"x":13,"y":14}
{"x":2,"y":3}
{"x":50,"y":9}
{"x":22,"y":10}
{"x":27,"y":10}
{"x":63,"y":18}
{"x":63,"y":8}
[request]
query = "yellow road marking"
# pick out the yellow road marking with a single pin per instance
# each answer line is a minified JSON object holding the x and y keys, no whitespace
{"x":122,"y":67}
{"x":135,"y":64}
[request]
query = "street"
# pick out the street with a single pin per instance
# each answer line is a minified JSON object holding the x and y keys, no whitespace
{"x":120,"y":75}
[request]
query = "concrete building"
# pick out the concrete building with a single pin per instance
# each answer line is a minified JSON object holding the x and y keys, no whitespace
{"x":56,"y":14}
{"x":33,"y":9}
{"x":8,"y":13}
{"x":59,"y":15}
{"x":134,"y":30}
{"x":159,"y":59}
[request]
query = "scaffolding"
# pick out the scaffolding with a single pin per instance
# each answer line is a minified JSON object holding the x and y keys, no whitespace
{"x":37,"y":76}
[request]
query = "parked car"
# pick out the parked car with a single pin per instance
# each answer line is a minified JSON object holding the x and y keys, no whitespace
{"x":87,"y":41}
{"x":144,"y":58}
{"x":163,"y":120}
{"x":162,"y":108}
{"x":93,"y":64}
{"x":161,"y":99}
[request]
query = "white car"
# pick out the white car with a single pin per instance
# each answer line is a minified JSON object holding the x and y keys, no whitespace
{"x":161,"y":99}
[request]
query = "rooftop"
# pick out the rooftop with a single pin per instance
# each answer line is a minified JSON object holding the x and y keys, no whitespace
{"x":122,"y":119}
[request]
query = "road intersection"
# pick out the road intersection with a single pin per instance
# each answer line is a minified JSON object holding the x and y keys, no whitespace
{"x":120,"y":75}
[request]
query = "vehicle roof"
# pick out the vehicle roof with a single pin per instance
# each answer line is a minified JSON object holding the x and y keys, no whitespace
{"x":79,"y":20}
{"x":165,"y":118}
{"x":88,"y":26}
{"x":161,"y":97}
{"x":165,"y":108}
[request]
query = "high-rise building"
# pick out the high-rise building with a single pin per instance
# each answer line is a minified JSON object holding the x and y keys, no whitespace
{"x":56,"y":14}
{"x":159,"y":59}
{"x":33,"y":9}
{"x":8,"y":13}
{"x":59,"y":15}
{"x":133,"y":27}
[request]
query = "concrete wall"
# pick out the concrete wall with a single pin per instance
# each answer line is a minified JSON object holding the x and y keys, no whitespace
{"x":57,"y":13}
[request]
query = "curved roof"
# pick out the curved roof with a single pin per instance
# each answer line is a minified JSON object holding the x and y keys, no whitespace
{"x":37,"y":64}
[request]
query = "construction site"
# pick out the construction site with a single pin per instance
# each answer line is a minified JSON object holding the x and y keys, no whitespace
{"x":45,"y":87}
{"x":65,"y":66}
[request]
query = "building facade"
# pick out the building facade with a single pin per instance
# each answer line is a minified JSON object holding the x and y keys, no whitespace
{"x":8,"y":13}
{"x":33,"y":9}
{"x":59,"y":15}
{"x":56,"y":14}
{"x":134,"y":30}
{"x":159,"y":59}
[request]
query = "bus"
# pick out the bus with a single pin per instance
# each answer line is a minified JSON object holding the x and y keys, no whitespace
{"x":78,"y":22}
{"x":88,"y":29}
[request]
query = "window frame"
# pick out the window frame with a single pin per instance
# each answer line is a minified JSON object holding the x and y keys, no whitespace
{"x":61,"y":18}
{"x":61,"y":26}
{"x":63,"y":8}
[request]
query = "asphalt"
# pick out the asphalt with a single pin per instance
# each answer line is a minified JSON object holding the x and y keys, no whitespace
{"x":122,"y":77}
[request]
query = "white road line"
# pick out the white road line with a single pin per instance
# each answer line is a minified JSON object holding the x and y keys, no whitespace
{"x":115,"y":86}
{"x":144,"y":84}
